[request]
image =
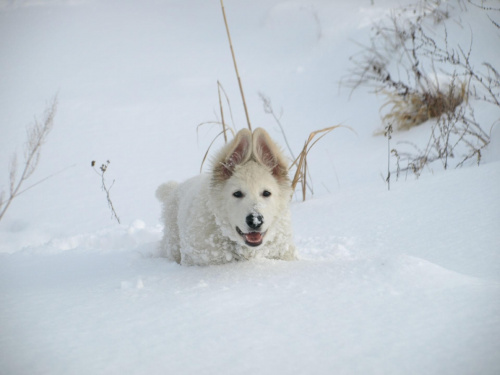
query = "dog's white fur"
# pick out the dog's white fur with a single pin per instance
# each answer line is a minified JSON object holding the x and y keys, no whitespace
{"x":207,"y":223}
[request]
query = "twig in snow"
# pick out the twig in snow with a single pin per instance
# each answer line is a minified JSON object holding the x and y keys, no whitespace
{"x":103,"y":168}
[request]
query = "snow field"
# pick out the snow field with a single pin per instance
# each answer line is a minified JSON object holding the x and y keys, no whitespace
{"x":368,"y":297}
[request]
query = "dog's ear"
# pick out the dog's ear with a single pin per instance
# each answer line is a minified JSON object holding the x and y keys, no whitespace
{"x":235,"y":153}
{"x":268,"y":153}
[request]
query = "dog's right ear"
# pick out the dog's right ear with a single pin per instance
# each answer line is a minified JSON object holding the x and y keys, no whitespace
{"x":235,"y":153}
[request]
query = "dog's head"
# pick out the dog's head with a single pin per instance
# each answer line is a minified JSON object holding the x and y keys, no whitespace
{"x":251,"y":187}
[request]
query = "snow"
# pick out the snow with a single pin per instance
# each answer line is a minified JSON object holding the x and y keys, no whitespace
{"x":388,"y":282}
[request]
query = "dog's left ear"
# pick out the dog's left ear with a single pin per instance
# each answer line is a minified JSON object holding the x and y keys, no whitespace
{"x":268,"y":153}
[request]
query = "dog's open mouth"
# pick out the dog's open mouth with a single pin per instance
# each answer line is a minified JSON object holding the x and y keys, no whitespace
{"x":252,"y":238}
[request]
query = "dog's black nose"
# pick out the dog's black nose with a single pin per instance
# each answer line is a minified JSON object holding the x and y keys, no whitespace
{"x":254,"y":221}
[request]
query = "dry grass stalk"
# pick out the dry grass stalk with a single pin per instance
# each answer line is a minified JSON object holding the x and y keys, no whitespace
{"x":36,"y":137}
{"x":225,"y":128}
{"x":210,"y":146}
{"x":268,"y":108}
{"x":220,"y":89}
{"x":235,"y":66}
{"x":301,"y":161}
{"x":221,"y":114}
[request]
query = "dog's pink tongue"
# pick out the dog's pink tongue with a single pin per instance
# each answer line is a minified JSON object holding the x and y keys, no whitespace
{"x":253,"y":237}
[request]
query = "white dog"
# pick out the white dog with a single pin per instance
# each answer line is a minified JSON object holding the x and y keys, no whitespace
{"x":239,"y":211}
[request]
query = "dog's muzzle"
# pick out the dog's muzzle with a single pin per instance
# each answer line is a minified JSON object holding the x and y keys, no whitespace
{"x":252,"y":238}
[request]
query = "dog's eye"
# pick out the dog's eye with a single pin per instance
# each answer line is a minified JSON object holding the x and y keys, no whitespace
{"x":266,"y":193}
{"x":238,"y":194}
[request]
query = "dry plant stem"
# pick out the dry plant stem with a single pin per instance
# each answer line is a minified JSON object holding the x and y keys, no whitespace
{"x":209,"y":147}
{"x":225,"y":128}
{"x":37,"y":135}
{"x":107,"y":190}
{"x":301,"y":161}
{"x":388,"y":134}
{"x":304,"y":180}
{"x":228,"y":103}
{"x":235,"y":65}
{"x":108,"y":197}
{"x":268,"y":108}
{"x":221,"y":115}
{"x":45,"y":179}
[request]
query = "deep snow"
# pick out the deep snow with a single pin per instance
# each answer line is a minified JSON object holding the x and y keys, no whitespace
{"x":388,"y":282}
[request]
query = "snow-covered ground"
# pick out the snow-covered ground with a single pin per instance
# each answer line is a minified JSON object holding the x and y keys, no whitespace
{"x":388,"y":282}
